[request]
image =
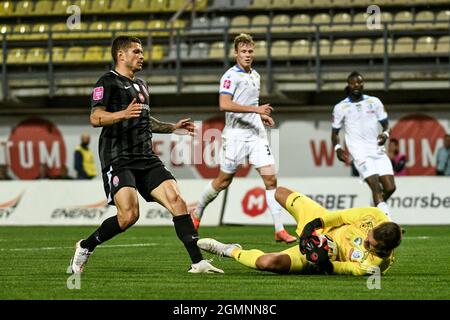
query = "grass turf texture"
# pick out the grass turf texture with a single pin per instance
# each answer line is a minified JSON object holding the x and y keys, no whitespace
{"x":151,"y":263}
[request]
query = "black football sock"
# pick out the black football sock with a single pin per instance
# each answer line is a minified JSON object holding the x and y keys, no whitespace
{"x":109,"y":228}
{"x":186,"y":233}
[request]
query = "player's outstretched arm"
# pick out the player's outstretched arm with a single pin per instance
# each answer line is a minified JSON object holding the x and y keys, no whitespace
{"x":102,"y":118}
{"x":226,"y":104}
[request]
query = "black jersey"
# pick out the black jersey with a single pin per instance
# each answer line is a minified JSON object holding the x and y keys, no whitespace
{"x":128,"y":142}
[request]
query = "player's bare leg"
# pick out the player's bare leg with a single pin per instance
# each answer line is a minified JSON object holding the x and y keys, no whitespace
{"x":274,"y":262}
{"x":388,"y":183}
{"x":270,"y":181}
{"x":168,"y":195}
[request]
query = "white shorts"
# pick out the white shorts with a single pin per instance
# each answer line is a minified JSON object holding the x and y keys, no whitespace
{"x":236,"y":153}
{"x":372,"y":165}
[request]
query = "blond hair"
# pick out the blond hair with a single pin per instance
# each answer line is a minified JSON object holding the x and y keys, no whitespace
{"x":244,"y":39}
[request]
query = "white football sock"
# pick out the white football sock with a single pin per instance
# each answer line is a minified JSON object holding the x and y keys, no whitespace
{"x":384,"y":207}
{"x":208,"y":195}
{"x":275,"y":210}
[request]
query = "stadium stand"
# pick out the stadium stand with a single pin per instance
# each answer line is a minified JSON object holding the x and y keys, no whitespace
{"x":417,"y":31}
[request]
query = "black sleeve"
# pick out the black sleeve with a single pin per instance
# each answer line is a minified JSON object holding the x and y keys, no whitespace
{"x":101,"y":93}
{"x":400,"y":164}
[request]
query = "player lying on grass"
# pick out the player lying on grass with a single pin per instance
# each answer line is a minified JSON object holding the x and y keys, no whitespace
{"x":354,"y":241}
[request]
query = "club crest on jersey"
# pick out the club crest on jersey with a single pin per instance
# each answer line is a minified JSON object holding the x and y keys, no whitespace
{"x":358,"y":241}
{"x":141,"y":97}
{"x":227,"y":84}
{"x":356,"y":255}
{"x":98,"y":93}
{"x":136,"y":86}
{"x":115,"y":181}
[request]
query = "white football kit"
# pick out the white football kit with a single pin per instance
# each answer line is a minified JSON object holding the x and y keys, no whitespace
{"x":361,"y":129}
{"x":244,"y":135}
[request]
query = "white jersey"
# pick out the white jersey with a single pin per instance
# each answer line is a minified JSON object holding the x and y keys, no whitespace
{"x":244,"y":89}
{"x":361,"y":125}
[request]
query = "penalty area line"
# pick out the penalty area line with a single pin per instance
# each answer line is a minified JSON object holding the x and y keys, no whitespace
{"x":103,"y":246}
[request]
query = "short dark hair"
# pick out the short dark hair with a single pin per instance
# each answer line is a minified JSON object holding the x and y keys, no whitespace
{"x":388,"y":235}
{"x":122,"y":43}
{"x":354,"y":74}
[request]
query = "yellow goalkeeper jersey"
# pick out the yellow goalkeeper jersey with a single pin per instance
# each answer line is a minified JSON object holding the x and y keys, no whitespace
{"x":348,"y":228}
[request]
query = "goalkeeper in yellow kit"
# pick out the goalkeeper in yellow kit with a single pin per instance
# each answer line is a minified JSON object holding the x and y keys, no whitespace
{"x":354,"y":241}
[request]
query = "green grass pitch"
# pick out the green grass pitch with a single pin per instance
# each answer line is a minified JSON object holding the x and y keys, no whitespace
{"x":151,"y":263}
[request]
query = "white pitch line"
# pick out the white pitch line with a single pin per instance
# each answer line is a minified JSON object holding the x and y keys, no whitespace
{"x":417,"y":237}
{"x":104,"y":246}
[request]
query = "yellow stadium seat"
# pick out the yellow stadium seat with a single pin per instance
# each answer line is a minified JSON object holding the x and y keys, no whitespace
{"x":158,"y":5}
{"x":118,"y":6}
{"x":403,"y":20}
{"x":322,"y":3}
{"x":37,"y":56}
{"x":280,"y":49}
{"x":118,"y":27}
{"x":239,"y":24}
{"x":139,"y":6}
{"x":39,"y":31}
{"x":425,"y":45}
{"x":323,"y":20}
{"x":60,"y":31}
{"x":300,"y":49}
{"x":443,"y":45}
{"x":325,"y":48}
{"x":360,"y":21}
{"x":301,"y":3}
{"x":99,"y":29}
{"x":280,"y":23}
{"x":442,"y":20}
{"x":301,"y":23}
{"x":362,"y":46}
{"x":341,"y":22}
{"x":424,"y":19}
{"x":1,"y":56}
{"x":259,"y":24}
{"x":216,"y":51}
{"x":98,"y":7}
{"x":178,"y":24}
{"x":281,"y":4}
{"x":137,"y":28}
{"x":58,"y":54}
{"x":378,"y":46}
{"x":23,"y":8}
{"x":60,"y":6}
{"x":42,"y":8}
{"x":6,"y":8}
{"x":341,"y":47}
{"x":96,"y":54}
{"x":261,"y":4}
{"x":20,"y":32}
{"x":200,"y":5}
{"x":156,"y":53}
{"x":156,"y":25}
{"x":174,"y":5}
{"x":74,"y":55}
{"x":403,"y":45}
{"x":5,"y":28}
{"x":16,"y":56}
{"x":260,"y":49}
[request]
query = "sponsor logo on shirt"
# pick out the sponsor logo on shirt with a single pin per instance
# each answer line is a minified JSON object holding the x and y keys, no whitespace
{"x":115,"y":181}
{"x":227,"y":84}
{"x":98,"y":93}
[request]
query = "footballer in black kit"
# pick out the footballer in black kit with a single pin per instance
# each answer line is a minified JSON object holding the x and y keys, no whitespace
{"x":125,"y":148}
{"x":120,"y":105}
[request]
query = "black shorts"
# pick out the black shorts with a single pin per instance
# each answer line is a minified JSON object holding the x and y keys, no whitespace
{"x":145,"y":180}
